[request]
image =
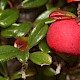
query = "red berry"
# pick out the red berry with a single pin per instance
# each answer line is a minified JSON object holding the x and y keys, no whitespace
{"x":78,"y":23}
{"x":64,"y":36}
{"x":72,"y":0}
{"x":21,"y":43}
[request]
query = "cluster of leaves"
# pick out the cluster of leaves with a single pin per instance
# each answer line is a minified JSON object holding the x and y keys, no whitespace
{"x":37,"y":50}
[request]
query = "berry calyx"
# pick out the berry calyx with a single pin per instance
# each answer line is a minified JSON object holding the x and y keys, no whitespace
{"x":60,"y":14}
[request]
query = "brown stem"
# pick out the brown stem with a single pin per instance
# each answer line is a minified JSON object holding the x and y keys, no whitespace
{"x":78,"y":11}
{"x":10,"y":4}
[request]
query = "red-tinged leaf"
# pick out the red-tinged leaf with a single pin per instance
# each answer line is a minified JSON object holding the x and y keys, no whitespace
{"x":21,"y":43}
{"x":72,"y":0}
{"x":60,"y":14}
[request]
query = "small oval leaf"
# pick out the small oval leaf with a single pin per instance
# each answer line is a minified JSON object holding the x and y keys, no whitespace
{"x":45,"y":14}
{"x":8,"y":17}
{"x":33,"y":3}
{"x":49,"y":71}
{"x":23,"y":57}
{"x":37,"y":34}
{"x":41,"y":58}
{"x":44,"y":47}
{"x":8,"y":52}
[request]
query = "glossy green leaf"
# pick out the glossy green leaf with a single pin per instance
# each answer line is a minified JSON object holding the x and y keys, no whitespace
{"x":46,"y":21}
{"x":33,"y":3}
{"x":44,"y":47}
{"x":37,"y":34}
{"x":10,"y":31}
{"x":3,"y":4}
{"x":8,"y":17}
{"x":23,"y":29}
{"x":41,"y":58}
{"x":8,"y":52}
{"x":23,"y":57}
{"x":45,"y":14}
{"x":17,"y":30}
{"x":49,"y":21}
{"x":49,"y":71}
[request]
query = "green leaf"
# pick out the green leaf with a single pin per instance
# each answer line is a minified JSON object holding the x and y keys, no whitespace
{"x":17,"y":30}
{"x":49,"y":71}
{"x":49,"y":5}
{"x":8,"y":17}
{"x":2,"y":78}
{"x":3,"y":68}
{"x":17,"y":75}
{"x":44,"y":47}
{"x":23,"y":57}
{"x":37,"y":34}
{"x":23,"y":29}
{"x":49,"y":21}
{"x":31,"y":71}
{"x":46,"y":21}
{"x":41,"y":58}
{"x":1,"y":12}
{"x":10,"y":31}
{"x":45,"y":14}
{"x":62,"y":76}
{"x":2,"y":71}
{"x":8,"y":52}
{"x":3,"y":4}
{"x":33,"y":3}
